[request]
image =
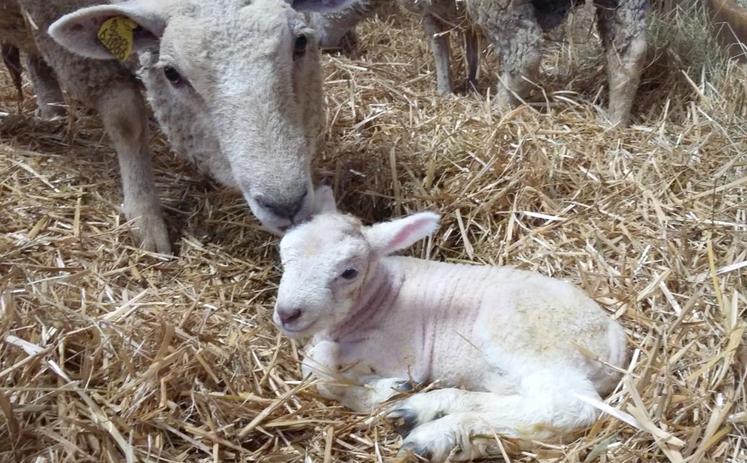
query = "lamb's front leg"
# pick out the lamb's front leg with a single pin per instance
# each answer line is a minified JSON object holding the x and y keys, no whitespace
{"x":352,"y":385}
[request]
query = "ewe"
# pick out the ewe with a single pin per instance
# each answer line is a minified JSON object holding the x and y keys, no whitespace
{"x":509,"y":344}
{"x":234,"y":84}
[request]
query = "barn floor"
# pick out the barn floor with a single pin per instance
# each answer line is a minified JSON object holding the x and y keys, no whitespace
{"x":109,"y":353}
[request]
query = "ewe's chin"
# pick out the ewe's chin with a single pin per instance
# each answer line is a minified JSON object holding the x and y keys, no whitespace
{"x":276,"y":225}
{"x":270,"y":222}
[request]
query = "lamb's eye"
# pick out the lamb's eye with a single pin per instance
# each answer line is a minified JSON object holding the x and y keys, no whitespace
{"x":173,"y":76}
{"x":349,"y":274}
{"x":299,"y":47}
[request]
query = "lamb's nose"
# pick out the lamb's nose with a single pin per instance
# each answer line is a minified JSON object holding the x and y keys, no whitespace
{"x":289,"y":316}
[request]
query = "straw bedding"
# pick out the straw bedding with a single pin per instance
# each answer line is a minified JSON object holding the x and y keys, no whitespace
{"x":108,"y":353}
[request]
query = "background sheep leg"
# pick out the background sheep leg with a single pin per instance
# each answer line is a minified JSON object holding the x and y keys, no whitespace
{"x":49,"y":100}
{"x":434,"y":29}
{"x":516,"y":35}
{"x":349,"y":44}
{"x":542,"y":408}
{"x":12,"y":60}
{"x":623,"y":32}
{"x":123,"y":112}
{"x":472,"y":51}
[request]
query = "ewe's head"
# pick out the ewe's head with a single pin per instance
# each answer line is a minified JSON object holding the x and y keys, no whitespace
{"x":238,"y":79}
{"x":328,"y":262}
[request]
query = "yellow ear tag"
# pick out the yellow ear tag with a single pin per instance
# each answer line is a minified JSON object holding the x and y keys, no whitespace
{"x":116,"y":34}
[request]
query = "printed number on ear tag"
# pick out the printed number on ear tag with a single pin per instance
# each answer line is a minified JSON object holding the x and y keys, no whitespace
{"x":116,"y":34}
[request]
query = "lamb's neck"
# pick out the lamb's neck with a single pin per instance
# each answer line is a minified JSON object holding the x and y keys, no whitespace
{"x":376,"y":298}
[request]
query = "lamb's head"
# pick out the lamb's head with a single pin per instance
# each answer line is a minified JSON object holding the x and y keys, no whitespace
{"x":234,"y":80}
{"x":329,"y":262}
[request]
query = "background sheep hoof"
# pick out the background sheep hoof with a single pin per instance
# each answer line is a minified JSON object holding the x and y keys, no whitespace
{"x":153,"y":234}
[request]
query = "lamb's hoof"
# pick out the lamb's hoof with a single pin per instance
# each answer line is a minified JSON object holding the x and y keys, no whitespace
{"x":403,"y":386}
{"x":413,"y":452}
{"x":437,"y":442}
{"x":403,"y":420}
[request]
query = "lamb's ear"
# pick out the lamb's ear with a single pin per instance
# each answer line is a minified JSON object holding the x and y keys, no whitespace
{"x":388,"y":237}
{"x":324,"y":200}
{"x":124,"y":28}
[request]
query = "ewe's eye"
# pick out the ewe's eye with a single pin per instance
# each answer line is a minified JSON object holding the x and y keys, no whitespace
{"x":349,"y":274}
{"x":173,"y":76}
{"x":299,"y":47}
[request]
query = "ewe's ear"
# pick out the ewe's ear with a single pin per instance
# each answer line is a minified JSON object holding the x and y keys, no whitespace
{"x":325,"y":6}
{"x":324,"y":200}
{"x":138,"y":24}
{"x":389,"y":237}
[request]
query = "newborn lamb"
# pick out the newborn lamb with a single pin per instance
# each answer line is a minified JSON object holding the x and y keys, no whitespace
{"x":511,"y":346}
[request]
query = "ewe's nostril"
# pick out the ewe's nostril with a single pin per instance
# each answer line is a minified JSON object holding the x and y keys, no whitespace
{"x":285,"y":208}
{"x":290,"y":316}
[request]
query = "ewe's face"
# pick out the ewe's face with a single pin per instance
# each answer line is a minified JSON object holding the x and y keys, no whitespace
{"x":325,"y":263}
{"x":234,"y":83}
{"x":253,"y":72}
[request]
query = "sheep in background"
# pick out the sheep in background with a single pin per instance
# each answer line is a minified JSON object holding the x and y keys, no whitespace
{"x":515,"y":28}
{"x":17,"y":42}
{"x":234,"y":84}
{"x":337,"y":31}
{"x":438,"y":16}
{"x":511,"y":346}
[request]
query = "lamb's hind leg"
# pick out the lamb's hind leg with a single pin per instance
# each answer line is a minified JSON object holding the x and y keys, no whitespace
{"x":435,"y":29}
{"x":123,"y":112}
{"x":622,"y":26}
{"x":544,"y":408}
